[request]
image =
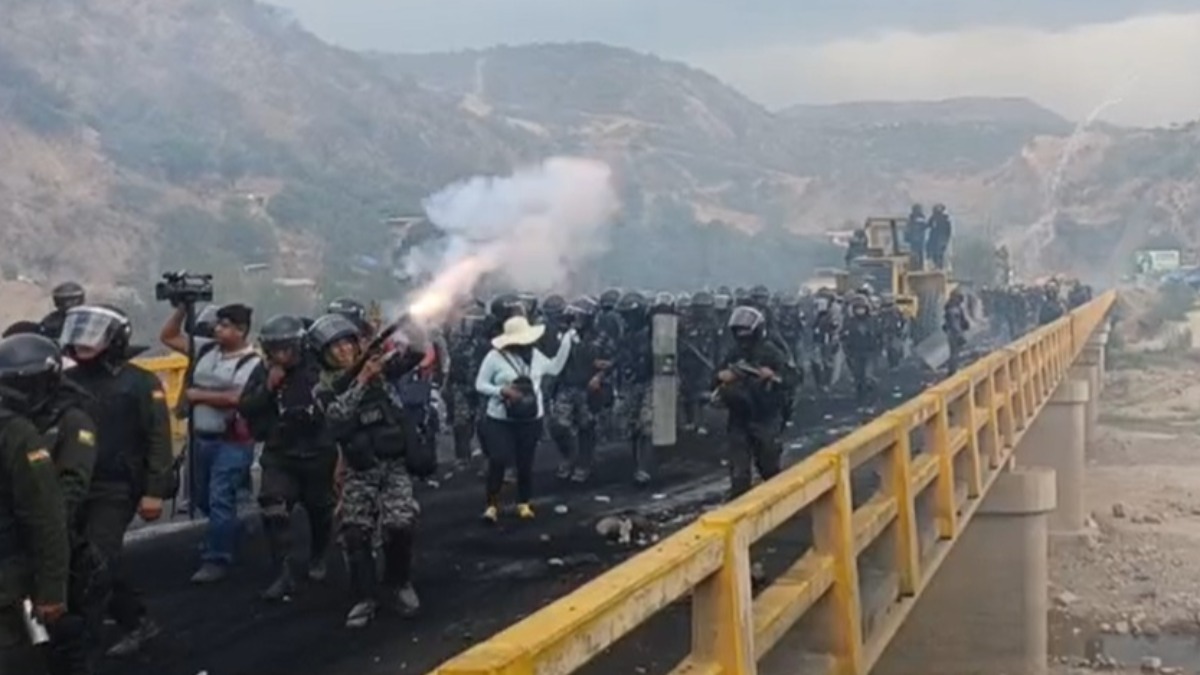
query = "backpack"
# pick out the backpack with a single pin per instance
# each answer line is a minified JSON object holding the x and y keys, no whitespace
{"x":525,"y":406}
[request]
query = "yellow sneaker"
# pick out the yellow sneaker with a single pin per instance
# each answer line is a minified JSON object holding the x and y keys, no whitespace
{"x":491,"y":514}
{"x":524,"y":511}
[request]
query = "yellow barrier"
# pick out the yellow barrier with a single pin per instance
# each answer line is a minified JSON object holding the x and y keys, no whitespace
{"x":969,"y":425}
{"x":170,"y":371}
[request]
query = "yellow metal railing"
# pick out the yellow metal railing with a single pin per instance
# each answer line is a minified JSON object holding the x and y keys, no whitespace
{"x":966,"y":428}
{"x":170,"y":371}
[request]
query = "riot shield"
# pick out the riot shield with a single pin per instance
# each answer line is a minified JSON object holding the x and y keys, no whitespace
{"x":665,"y":388}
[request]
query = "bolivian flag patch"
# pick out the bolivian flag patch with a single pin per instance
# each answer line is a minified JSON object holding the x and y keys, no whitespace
{"x":86,"y":437}
{"x":38,"y":456}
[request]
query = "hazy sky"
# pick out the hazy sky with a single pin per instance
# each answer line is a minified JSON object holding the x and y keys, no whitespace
{"x":1071,"y":55}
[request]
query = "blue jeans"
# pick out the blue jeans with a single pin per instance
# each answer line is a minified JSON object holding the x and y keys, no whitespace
{"x":220,"y":472}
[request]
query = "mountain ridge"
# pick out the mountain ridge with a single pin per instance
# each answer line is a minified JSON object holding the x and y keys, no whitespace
{"x":155,"y":134}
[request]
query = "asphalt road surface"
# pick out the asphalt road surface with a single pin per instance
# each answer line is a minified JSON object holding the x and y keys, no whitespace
{"x":473,"y":580}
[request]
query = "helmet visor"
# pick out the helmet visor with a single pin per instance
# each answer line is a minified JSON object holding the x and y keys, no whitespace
{"x":90,"y":327}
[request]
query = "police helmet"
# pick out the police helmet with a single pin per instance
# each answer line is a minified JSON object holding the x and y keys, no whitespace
{"x":67,"y":295}
{"x":632,"y":301}
{"x":31,"y":368}
{"x":760,"y":293}
{"x":609,"y":299}
{"x":349,"y":308}
{"x":554,"y":304}
{"x":505,"y":305}
{"x":683,"y":301}
{"x":282,"y":332}
{"x":747,"y":322}
{"x":703,"y":299}
{"x":99,"y":327}
{"x":330,"y":329}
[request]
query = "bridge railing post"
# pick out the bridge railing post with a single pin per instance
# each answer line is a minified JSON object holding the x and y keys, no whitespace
{"x":938,"y":441}
{"x":833,"y":535}
{"x":897,"y":482}
{"x":723,"y":604}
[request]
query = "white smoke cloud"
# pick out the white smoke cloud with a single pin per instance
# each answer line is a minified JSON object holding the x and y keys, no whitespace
{"x":528,"y":231}
{"x":1068,"y":70}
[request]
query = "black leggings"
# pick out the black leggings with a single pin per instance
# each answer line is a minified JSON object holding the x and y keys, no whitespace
{"x":507,"y":442}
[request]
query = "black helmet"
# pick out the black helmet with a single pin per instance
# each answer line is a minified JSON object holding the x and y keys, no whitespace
{"x":631,"y":302}
{"x":282,"y":332}
{"x":31,"y":368}
{"x":101,"y":327}
{"x":609,"y":299}
{"x":67,"y":295}
{"x":703,"y":299}
{"x":554,"y":304}
{"x":353,"y":310}
{"x":331,"y":328}
{"x":583,"y":311}
{"x":760,"y":294}
{"x":747,"y":322}
{"x":502,"y":306}
{"x":724,"y":290}
{"x":741,"y":296}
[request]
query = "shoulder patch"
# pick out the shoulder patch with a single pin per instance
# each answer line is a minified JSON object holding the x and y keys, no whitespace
{"x":38,"y":456}
{"x":86,"y":437}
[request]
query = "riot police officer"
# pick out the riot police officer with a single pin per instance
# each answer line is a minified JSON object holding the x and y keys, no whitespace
{"x":581,"y":389}
{"x":956,"y":325}
{"x":34,"y":550}
{"x":135,"y":466}
{"x":751,"y":384}
{"x":298,"y":457}
{"x":32,"y":366}
{"x":636,"y":362}
{"x":65,"y":295}
{"x":382,"y":452}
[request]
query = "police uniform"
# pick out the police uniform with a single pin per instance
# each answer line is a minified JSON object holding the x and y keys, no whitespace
{"x":755,"y":405}
{"x":381,"y":449}
{"x":34,"y":550}
{"x":134,"y":456}
{"x":298,"y":457}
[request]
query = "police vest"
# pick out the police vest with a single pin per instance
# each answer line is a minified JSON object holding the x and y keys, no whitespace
{"x":381,"y":429}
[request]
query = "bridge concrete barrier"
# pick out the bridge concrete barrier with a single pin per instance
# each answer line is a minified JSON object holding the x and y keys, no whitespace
{"x":1057,"y":439}
{"x":985,"y":613}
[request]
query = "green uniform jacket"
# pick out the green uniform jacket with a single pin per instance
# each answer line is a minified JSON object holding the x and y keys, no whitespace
{"x":71,"y":438}
{"x":34,"y":552}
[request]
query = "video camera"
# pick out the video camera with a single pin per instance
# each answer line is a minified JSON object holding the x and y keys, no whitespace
{"x":182,"y":288}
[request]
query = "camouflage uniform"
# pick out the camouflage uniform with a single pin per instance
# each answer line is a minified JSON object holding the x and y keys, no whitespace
{"x":639,"y":409}
{"x":573,"y":427}
{"x":380,"y":496}
{"x":462,"y":407}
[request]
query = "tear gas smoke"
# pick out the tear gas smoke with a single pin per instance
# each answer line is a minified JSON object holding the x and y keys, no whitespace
{"x":528,"y":231}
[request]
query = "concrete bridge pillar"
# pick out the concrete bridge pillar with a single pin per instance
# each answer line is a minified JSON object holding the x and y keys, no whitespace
{"x":985,"y":611}
{"x":1057,"y":440}
{"x":1088,"y":371}
{"x":1096,"y":347}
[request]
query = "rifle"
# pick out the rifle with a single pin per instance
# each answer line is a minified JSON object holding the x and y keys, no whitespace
{"x":743,"y":369}
{"x":377,"y":346}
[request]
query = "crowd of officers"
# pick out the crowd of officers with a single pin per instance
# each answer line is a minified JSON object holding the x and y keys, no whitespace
{"x":1017,"y":308}
{"x":347,"y":415}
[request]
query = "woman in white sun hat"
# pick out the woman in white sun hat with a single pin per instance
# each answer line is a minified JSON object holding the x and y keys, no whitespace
{"x":510,"y":380}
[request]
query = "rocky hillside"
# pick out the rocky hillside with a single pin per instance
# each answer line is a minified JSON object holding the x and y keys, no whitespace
{"x":139,"y":135}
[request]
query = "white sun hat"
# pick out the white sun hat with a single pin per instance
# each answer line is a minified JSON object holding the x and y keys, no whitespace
{"x":517,"y":331}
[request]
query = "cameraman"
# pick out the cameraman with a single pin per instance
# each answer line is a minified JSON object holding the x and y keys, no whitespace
{"x":298,"y":458}
{"x":223,"y":447}
{"x":752,"y":382}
